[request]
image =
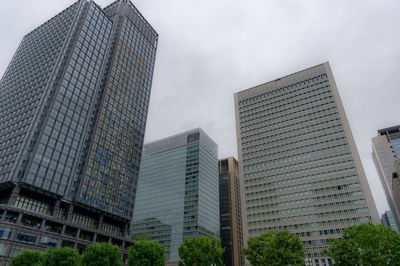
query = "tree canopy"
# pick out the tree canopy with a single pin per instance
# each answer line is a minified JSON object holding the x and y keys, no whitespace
{"x":62,"y":256}
{"x":275,"y":248}
{"x":143,"y":236}
{"x":146,"y":253}
{"x":201,"y":251}
{"x":102,"y":254}
{"x":366,"y":244}
{"x":27,"y":258}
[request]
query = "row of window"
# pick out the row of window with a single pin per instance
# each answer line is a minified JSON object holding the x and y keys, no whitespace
{"x":313,"y":114}
{"x":330,"y":222}
{"x":312,"y":216}
{"x":298,"y":104}
{"x":287,"y":179}
{"x":280,"y":205}
{"x":322,"y":100}
{"x":264,"y":186}
{"x":308,"y":208}
{"x":27,"y":237}
{"x":314,"y":123}
{"x":307,"y":192}
{"x":313,"y":224}
{"x":282,"y":99}
{"x":280,"y":90}
{"x":302,"y":171}
{"x":281,"y":198}
{"x":289,"y":136}
{"x":302,"y":164}
{"x":301,"y":156}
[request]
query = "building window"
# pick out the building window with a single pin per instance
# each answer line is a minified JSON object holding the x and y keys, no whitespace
{"x":11,"y":217}
{"x":35,"y":204}
{"x":26,"y":237}
{"x":31,"y":221}
{"x":5,"y":233}
{"x":3,"y":249}
{"x":53,"y":227}
{"x":16,"y":250}
{"x":49,"y":242}
{"x":70,"y":231}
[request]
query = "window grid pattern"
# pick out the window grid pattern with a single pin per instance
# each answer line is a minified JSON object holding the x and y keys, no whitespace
{"x":34,"y":204}
{"x":298,"y":170}
{"x":177,"y":194}
{"x":112,"y":169}
{"x":23,"y":85}
{"x":53,"y":163}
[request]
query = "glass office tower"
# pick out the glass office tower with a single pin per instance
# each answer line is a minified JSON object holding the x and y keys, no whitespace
{"x":177,"y":195}
{"x":73,"y":107}
{"x":299,"y":162}
{"x":385,"y":151}
{"x":389,"y":221}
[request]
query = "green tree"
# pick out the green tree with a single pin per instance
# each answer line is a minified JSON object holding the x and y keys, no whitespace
{"x":275,"y":248}
{"x":366,"y":244}
{"x":201,"y":251}
{"x":102,"y":254}
{"x":146,"y":253}
{"x":143,"y":236}
{"x":27,"y":258}
{"x":62,"y":256}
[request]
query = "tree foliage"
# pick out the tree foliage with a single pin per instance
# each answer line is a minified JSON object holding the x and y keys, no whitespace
{"x":366,"y":244}
{"x":146,"y":253}
{"x":275,"y":248}
{"x":27,"y":258}
{"x":201,"y":251}
{"x":62,"y":256}
{"x":143,"y":236}
{"x":102,"y":254}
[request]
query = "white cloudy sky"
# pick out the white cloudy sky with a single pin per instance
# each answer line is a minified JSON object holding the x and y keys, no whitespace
{"x":210,"y":49}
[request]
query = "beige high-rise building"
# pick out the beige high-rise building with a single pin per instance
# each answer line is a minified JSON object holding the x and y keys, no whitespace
{"x":231,"y":231}
{"x":298,"y":161}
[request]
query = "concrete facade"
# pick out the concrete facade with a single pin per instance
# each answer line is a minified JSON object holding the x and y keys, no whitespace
{"x":298,"y":161}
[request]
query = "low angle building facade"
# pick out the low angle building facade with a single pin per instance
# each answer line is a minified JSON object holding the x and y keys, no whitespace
{"x":230,"y":211}
{"x":73,"y":109}
{"x":298,"y":161}
{"x":178,"y":192}
{"x":385,"y":151}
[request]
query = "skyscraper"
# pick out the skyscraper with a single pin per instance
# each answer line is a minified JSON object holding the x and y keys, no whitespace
{"x":388,"y":220}
{"x":230,"y":211}
{"x":299,"y":162}
{"x":385,"y":150}
{"x":177,"y":196}
{"x":73,"y":107}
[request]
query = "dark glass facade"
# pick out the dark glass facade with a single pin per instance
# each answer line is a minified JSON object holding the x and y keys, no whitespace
{"x":73,"y":109}
{"x":177,"y":196}
{"x":385,"y":152}
{"x":230,"y":212}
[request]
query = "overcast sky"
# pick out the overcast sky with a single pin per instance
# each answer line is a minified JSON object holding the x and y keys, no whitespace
{"x":210,"y":49}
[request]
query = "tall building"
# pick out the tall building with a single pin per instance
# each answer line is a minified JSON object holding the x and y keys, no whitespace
{"x":298,"y":161}
{"x":230,"y":211}
{"x":388,"y":220}
{"x":177,"y":195}
{"x":73,"y":107}
{"x":385,"y":150}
